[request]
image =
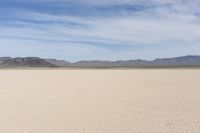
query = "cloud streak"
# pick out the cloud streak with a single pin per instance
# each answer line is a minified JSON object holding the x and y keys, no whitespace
{"x":137,"y":27}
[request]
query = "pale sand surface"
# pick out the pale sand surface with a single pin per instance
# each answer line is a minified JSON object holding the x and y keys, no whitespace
{"x":100,"y":101}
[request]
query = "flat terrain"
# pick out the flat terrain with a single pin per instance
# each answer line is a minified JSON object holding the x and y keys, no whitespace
{"x":100,"y":101}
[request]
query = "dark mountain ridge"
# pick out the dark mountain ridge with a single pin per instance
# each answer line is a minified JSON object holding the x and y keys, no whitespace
{"x":25,"y":62}
{"x":184,"y":61}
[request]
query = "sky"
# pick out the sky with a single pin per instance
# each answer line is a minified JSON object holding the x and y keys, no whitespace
{"x":99,"y":29}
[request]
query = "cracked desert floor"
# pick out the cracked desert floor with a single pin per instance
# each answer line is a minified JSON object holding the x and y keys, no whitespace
{"x":100,"y":101}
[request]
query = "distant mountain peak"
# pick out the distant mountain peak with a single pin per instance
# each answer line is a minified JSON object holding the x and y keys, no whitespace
{"x":183,"y":61}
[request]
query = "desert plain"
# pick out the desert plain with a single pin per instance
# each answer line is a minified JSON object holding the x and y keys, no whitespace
{"x":100,"y":101}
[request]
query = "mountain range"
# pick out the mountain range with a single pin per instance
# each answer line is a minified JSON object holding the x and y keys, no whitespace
{"x":36,"y":62}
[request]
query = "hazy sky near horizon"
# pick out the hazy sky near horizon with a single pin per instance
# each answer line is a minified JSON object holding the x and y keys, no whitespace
{"x":99,"y":29}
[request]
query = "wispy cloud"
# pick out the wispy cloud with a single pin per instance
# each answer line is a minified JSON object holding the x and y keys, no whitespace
{"x":92,"y":29}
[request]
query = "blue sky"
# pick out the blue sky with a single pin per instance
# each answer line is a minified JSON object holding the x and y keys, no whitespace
{"x":104,"y":30}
